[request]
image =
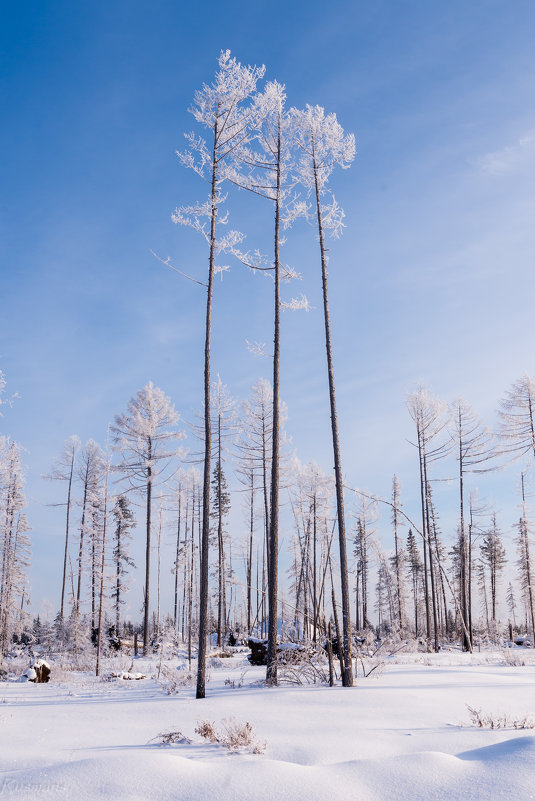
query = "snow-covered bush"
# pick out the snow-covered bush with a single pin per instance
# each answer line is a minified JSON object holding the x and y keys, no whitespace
{"x":174,"y":681}
{"x":512,"y":658}
{"x":171,"y":738}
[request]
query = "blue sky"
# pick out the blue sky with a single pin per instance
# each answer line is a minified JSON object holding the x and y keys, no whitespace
{"x":432,"y":281}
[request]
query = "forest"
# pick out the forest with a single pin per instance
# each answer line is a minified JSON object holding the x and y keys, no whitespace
{"x":329,"y":584}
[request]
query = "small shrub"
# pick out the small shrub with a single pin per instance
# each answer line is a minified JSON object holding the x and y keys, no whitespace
{"x":232,"y":735}
{"x":485,"y":720}
{"x":234,"y":683}
{"x":513,"y":658}
{"x":171,"y":738}
{"x":174,"y":681}
{"x":206,"y":730}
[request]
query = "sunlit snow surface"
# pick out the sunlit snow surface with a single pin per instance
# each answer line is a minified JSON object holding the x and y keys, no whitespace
{"x":402,"y":734}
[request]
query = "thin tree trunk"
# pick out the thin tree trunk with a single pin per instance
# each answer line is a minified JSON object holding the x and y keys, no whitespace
{"x":102,"y":565}
{"x":177,"y":555}
{"x":147,"y":551}
{"x":203,"y":599}
{"x":273,"y":553}
{"x":347,"y":676}
{"x":80,"y":552}
{"x":66,"y":536}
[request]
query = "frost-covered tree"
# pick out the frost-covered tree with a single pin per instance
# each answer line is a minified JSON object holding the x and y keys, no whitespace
{"x":525,"y":566}
{"x":511,"y":603}
{"x":264,"y":167}
{"x":323,"y":145}
{"x":145,"y":435}
{"x":220,"y":511}
{"x":311,"y":499}
{"x":14,"y":541}
{"x":89,"y":474}
{"x":428,"y":414}
{"x":415,"y":568}
{"x":517,"y":418}
{"x":363,"y":542}
{"x":225,"y":109}
{"x":472,"y":448}
{"x":494,"y":559}
{"x":397,"y":561}
{"x":122,"y":536}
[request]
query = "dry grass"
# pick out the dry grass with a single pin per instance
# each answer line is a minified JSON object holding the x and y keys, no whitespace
{"x":231,"y":734}
{"x":486,"y":720}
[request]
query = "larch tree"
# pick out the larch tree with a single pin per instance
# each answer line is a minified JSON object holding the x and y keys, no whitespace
{"x":472,"y":447}
{"x":225,"y":109}
{"x":428,"y":414}
{"x":14,"y":540}
{"x":145,"y":435}
{"x":525,"y":566}
{"x":323,"y":146}
{"x":63,"y":470}
{"x":517,"y":418}
{"x":398,"y":557}
{"x":264,"y":168}
{"x":89,"y":474}
{"x":517,"y":431}
{"x":364,"y":537}
{"x":225,"y":426}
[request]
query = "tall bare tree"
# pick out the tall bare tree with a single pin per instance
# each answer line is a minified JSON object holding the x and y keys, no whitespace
{"x":63,"y":470}
{"x":428,"y":414}
{"x":472,"y":444}
{"x":323,"y":146}
{"x":224,"y":108}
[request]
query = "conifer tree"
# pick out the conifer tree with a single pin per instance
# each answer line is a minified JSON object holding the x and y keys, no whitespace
{"x":122,"y":536}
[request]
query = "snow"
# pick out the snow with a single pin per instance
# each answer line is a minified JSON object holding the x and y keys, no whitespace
{"x":404,"y":733}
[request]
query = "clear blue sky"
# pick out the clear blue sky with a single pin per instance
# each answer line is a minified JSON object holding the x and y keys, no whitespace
{"x":433,"y":280}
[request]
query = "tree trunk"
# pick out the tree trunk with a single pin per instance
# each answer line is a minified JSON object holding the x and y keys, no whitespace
{"x":273,"y":553}
{"x":66,"y":536}
{"x":147,"y":550}
{"x":203,"y":599}
{"x":347,"y":676}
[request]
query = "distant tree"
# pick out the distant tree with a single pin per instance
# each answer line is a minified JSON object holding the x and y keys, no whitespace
{"x":524,"y":551}
{"x":472,"y":447}
{"x":511,"y":603}
{"x":220,"y":510}
{"x":517,"y":418}
{"x":364,"y":538}
{"x":14,"y":541}
{"x":494,"y":559}
{"x":428,"y":414}
{"x":89,"y":474}
{"x":63,"y":470}
{"x":397,"y":559}
{"x":124,"y":523}
{"x":415,"y":567}
{"x":144,"y":436}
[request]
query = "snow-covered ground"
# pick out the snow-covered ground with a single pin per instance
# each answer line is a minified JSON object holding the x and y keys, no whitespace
{"x":403,"y":733}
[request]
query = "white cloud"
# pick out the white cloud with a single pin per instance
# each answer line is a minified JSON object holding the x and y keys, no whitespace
{"x":511,"y":158}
